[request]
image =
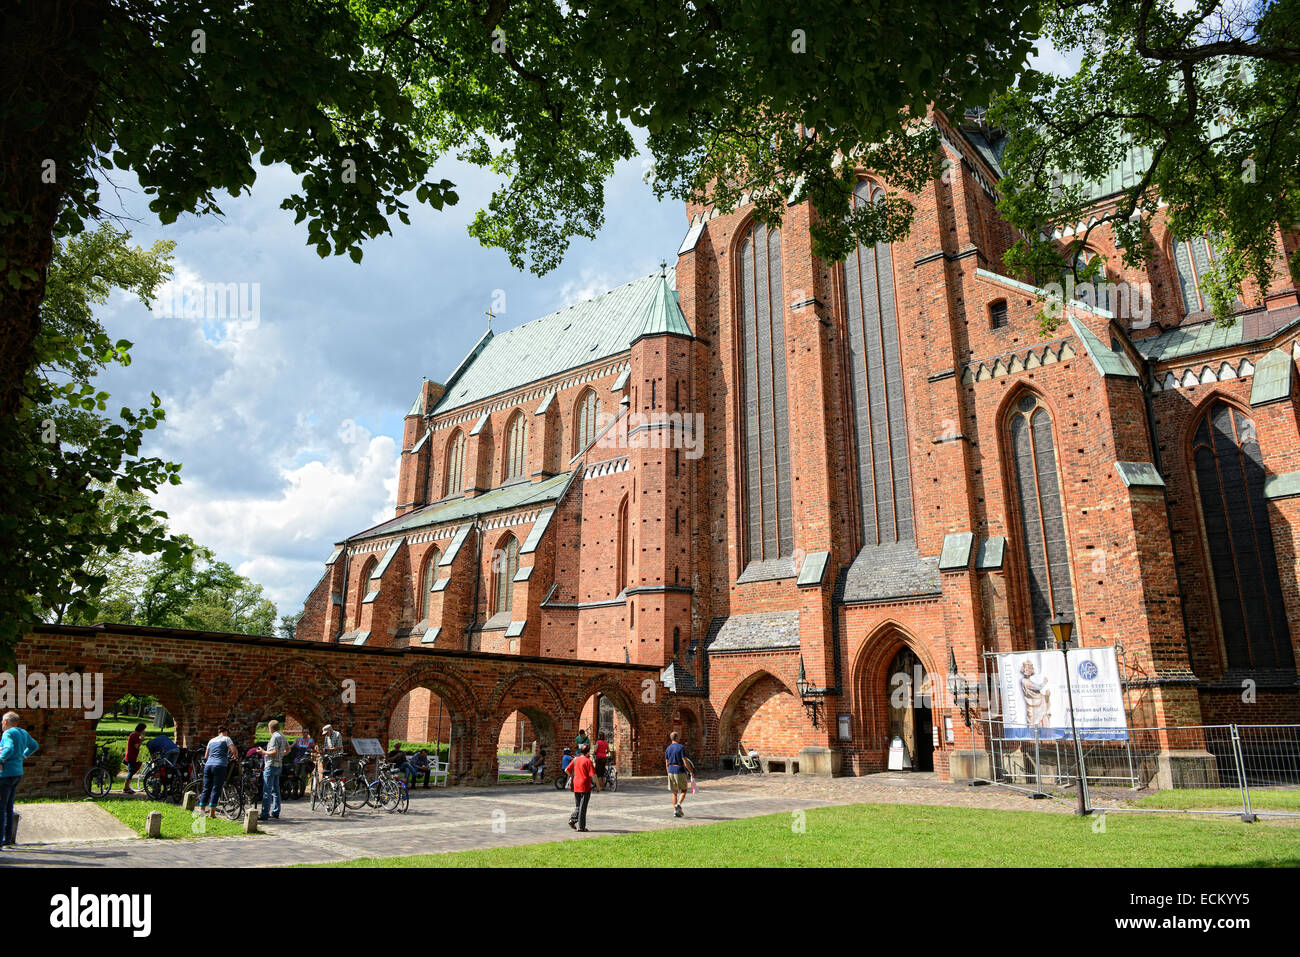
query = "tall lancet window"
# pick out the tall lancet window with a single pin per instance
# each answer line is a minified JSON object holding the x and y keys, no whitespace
{"x":1042,"y":516}
{"x":1230,"y":479}
{"x":454,"y":483}
{"x":587,"y":415}
{"x":516,"y":447}
{"x":765,"y":404}
{"x":876,"y":380}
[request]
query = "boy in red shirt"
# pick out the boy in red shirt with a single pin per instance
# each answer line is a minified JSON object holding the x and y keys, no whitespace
{"x":133,"y":756}
{"x":583,"y":773}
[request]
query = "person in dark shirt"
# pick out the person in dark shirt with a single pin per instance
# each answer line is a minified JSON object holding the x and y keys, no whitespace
{"x":678,"y":766}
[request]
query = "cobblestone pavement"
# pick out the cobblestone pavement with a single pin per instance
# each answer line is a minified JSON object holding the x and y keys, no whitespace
{"x":458,"y":819}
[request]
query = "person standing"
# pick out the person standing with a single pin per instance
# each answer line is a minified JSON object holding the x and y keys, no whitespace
{"x":678,"y":766}
{"x":133,"y":756}
{"x":273,"y":756}
{"x":602,"y":754}
{"x":583,"y":772}
{"x":581,"y":740}
{"x":15,"y":746}
{"x":216,"y":764}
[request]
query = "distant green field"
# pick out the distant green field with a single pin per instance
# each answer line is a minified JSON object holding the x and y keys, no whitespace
{"x":1192,"y":798}
{"x":884,"y":835}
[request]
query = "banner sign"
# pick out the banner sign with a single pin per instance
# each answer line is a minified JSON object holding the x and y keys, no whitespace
{"x":1036,"y":701}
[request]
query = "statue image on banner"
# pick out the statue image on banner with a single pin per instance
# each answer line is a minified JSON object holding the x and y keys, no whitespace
{"x":1037,"y":692}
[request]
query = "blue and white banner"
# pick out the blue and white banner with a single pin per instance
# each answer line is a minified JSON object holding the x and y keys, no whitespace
{"x":1036,"y":700}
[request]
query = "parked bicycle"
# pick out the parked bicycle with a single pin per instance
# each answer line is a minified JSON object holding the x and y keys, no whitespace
{"x":98,"y":781}
{"x":327,"y":786}
{"x":386,"y":790}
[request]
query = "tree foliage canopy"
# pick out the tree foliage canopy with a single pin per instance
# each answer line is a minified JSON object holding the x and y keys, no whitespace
{"x":1202,"y":102}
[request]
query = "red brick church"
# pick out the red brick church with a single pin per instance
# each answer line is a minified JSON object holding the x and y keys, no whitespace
{"x":756,"y":469}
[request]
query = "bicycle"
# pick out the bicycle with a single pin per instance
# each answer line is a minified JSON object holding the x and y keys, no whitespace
{"x":98,"y":781}
{"x":327,"y":789}
{"x":384,"y":791}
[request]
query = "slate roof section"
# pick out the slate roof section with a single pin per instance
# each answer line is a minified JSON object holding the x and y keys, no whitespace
{"x":575,"y":336}
{"x":762,"y":631}
{"x":387,"y":560}
{"x":679,"y":679}
{"x":813,"y":569}
{"x":893,"y":570}
{"x":499,"y":499}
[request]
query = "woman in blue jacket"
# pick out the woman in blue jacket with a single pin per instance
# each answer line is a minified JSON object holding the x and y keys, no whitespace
{"x":15,"y":745}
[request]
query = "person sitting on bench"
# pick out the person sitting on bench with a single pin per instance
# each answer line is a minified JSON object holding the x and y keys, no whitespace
{"x":416,"y":766}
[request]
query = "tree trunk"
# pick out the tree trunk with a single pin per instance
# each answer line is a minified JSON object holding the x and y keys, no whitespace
{"x":47,"y":87}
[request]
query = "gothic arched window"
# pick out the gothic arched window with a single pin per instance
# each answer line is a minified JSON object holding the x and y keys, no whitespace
{"x":765,"y":408}
{"x":586,"y":415}
{"x":516,"y":457}
{"x":454,"y":469}
{"x":1042,"y":515}
{"x":505,"y":565}
{"x":1192,"y":260}
{"x":1239,"y":539}
{"x":430,"y":576}
{"x":876,"y":381}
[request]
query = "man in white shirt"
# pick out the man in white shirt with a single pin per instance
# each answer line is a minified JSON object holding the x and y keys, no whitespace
{"x":273,"y":758}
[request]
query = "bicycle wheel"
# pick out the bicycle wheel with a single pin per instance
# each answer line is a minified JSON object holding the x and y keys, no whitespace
{"x":560,"y":781}
{"x":317,"y":791}
{"x":335,"y":798}
{"x":388,"y":795}
{"x":97,"y":782}
{"x":231,"y":804}
{"x":356,"y":793}
{"x":403,"y":799}
{"x":154,"y":784}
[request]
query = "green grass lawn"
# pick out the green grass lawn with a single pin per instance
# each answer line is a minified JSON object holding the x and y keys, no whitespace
{"x":1192,"y":798}
{"x":176,"y":821}
{"x":884,"y":835}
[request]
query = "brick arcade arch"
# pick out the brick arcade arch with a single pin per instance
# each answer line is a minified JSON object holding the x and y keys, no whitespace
{"x":458,"y":701}
{"x":625,"y":740}
{"x":206,"y":679}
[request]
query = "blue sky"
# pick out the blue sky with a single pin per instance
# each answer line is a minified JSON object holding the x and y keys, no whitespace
{"x":288,"y":426}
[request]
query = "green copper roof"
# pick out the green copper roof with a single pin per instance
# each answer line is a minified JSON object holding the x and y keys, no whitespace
{"x":576,"y":336}
{"x":1272,"y":378}
{"x":1109,"y":362}
{"x":1203,"y":337}
{"x":499,"y":499}
{"x":663,"y":314}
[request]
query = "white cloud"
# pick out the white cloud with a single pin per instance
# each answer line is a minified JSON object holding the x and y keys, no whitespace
{"x":288,"y":536}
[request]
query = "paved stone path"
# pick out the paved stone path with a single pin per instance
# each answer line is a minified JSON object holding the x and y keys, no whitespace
{"x":67,"y":822}
{"x":456,"y":819}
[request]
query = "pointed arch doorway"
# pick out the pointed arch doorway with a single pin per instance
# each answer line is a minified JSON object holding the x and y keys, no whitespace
{"x":910,"y":717}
